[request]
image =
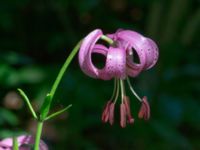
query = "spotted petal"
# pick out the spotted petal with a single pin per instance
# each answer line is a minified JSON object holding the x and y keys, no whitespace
{"x":85,"y":53}
{"x":145,"y":48}
{"x":135,"y":41}
{"x":152,"y":54}
{"x":115,"y":65}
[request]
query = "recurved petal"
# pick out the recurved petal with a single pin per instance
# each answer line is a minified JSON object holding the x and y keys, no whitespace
{"x":152,"y":54}
{"x":85,"y":53}
{"x":115,"y":64}
{"x":102,"y":73}
{"x":132,"y":68}
{"x":141,"y":43}
{"x":136,"y":41}
{"x":100,"y":49}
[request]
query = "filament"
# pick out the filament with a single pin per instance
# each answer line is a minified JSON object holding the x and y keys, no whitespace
{"x":117,"y":90}
{"x":122,"y":89}
{"x":132,"y":90}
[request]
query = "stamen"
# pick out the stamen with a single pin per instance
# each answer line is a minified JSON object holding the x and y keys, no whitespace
{"x":128,"y":110}
{"x":132,"y":90}
{"x":111,"y":113}
{"x":105,"y":114}
{"x":114,"y":90}
{"x":144,"y":109}
{"x":122,"y":115}
{"x":108,"y":111}
{"x":122,"y":89}
{"x":117,"y":91}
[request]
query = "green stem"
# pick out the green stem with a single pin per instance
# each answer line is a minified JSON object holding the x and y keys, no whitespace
{"x":63,"y":69}
{"x":38,"y":135}
{"x":52,"y":93}
{"x":107,"y":39}
{"x":15,"y":144}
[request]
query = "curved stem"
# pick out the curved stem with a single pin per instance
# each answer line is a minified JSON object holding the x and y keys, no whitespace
{"x":48,"y":101}
{"x":107,"y":39}
{"x":63,"y":69}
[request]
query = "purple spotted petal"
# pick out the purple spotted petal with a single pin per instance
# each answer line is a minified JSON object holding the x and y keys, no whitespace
{"x":23,"y":140}
{"x":100,"y":49}
{"x":101,"y":73}
{"x":115,"y":65}
{"x":119,"y":58}
{"x":152,"y":54}
{"x":135,"y":41}
{"x":145,"y":48}
{"x":85,"y":53}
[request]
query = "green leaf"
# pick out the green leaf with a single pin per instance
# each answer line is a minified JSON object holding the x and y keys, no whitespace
{"x":58,"y":112}
{"x":28,"y":103}
{"x":45,"y":107}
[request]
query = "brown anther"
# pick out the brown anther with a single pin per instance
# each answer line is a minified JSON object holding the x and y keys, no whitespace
{"x":123,"y":115}
{"x":111,"y":113}
{"x":144,"y":109}
{"x":128,"y":111}
{"x":105,"y":114}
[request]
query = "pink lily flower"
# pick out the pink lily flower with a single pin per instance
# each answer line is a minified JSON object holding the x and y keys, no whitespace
{"x":24,"y":142}
{"x":120,"y":64}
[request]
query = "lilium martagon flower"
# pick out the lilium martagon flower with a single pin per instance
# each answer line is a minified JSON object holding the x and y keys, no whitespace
{"x":120,"y":64}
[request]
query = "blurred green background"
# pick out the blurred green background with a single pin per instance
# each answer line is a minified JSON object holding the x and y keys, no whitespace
{"x":36,"y":38}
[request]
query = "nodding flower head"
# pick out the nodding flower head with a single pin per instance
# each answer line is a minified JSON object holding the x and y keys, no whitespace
{"x":120,"y":64}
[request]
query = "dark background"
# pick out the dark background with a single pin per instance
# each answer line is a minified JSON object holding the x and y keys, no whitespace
{"x":36,"y":38}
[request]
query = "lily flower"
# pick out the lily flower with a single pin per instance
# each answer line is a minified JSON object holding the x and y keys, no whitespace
{"x":120,"y":64}
{"x":24,"y":143}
